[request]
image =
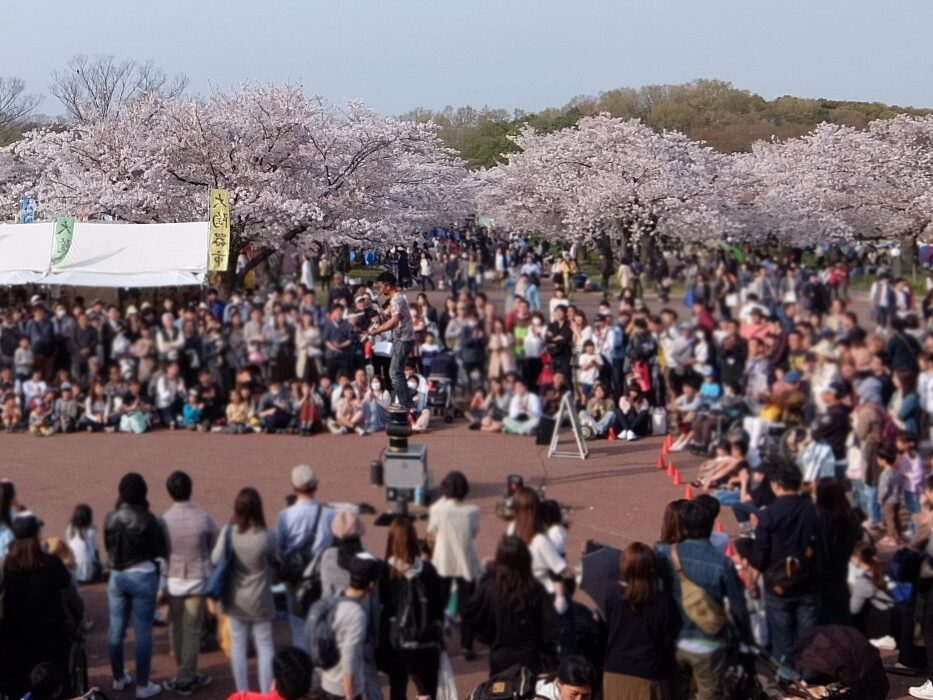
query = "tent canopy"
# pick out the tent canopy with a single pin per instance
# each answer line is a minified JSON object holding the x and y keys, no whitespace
{"x":106,"y":255}
{"x":24,"y":252}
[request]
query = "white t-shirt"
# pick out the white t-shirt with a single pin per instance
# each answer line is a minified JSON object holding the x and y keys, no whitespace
{"x":545,"y":559}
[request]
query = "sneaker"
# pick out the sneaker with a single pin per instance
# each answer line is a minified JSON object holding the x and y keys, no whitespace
{"x":630,"y":435}
{"x":177,"y":688}
{"x":333,"y":427}
{"x":201,"y":680}
{"x":887,"y":643}
{"x":123,"y":683}
{"x":360,"y":431}
{"x":922,"y":691}
{"x":150,"y":690}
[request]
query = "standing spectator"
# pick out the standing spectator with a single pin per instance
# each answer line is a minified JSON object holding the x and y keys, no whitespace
{"x":292,"y":673}
{"x":452,"y":529}
{"x":558,"y":341}
{"x":791,"y":527}
{"x":890,"y":496}
{"x":134,"y":541}
{"x":642,"y":625}
{"x":302,"y":529}
{"x":347,"y":679}
{"x":249,"y":606}
{"x":190,"y":534}
{"x":34,"y":621}
{"x":411,"y":650}
{"x":842,"y":534}
{"x":338,"y":340}
{"x":701,"y":656}
{"x":513,"y":613}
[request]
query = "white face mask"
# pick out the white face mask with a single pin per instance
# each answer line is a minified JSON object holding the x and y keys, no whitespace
{"x":376,"y":386}
{"x":413,"y":385}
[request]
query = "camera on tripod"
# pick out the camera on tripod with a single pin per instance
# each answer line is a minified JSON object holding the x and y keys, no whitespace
{"x":403,"y":470}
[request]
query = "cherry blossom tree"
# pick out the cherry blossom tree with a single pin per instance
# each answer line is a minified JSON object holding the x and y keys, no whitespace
{"x":842,"y":184}
{"x":607,"y":177}
{"x":297,"y":169}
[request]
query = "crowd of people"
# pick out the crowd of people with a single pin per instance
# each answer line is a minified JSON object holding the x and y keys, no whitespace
{"x":814,"y":425}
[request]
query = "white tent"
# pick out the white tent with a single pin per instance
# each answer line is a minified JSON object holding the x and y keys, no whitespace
{"x":107,"y":255}
{"x":24,"y":252}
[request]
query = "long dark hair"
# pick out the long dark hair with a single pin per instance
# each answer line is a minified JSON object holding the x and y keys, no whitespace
{"x":24,"y":555}
{"x":831,"y":497}
{"x":527,"y":508}
{"x":512,"y":579}
{"x":247,"y":510}
{"x":81,"y":518}
{"x":402,"y":544}
{"x":7,"y":496}
{"x":640,"y":575}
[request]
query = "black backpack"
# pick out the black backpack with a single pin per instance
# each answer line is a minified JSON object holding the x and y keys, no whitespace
{"x":514,"y":683}
{"x":412,"y":626}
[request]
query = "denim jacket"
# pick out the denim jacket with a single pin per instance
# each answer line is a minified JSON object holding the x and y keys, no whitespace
{"x":706,"y":566}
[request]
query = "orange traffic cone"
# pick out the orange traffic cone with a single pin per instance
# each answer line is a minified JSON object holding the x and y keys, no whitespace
{"x":688,"y":493}
{"x":677,"y":479}
{"x":665,"y":450}
{"x":670,"y":469}
{"x":730,"y":549}
{"x":719,"y":527}
{"x":669,"y":441}
{"x":612,"y":434}
{"x":660,"y":462}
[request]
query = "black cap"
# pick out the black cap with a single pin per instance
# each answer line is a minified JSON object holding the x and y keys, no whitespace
{"x":25,"y":527}
{"x":364,"y":570}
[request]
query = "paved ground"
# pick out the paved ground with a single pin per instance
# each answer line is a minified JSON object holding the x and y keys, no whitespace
{"x":616,"y":495}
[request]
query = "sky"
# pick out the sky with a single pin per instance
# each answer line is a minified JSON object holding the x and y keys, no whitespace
{"x":529,"y":54}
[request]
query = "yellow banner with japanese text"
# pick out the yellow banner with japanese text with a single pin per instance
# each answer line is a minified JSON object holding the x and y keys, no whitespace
{"x":219,"y":246}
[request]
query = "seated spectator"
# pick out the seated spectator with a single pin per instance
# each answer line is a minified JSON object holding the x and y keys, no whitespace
{"x":238,"y":413}
{"x":683,"y":411}
{"x":634,"y":414}
{"x":348,"y":413}
{"x":81,"y":537}
{"x":524,"y":412}
{"x":375,"y":402}
{"x":274,"y":410}
{"x":575,"y":679}
{"x":487,"y":411}
{"x":599,"y":415}
{"x":193,"y":411}
{"x":65,"y":413}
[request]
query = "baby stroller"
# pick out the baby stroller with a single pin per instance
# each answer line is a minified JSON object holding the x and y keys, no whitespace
{"x":441,"y":383}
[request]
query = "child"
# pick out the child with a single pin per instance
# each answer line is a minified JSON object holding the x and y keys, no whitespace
{"x":81,"y":536}
{"x":40,"y":417}
{"x":589,"y":365}
{"x":237,"y":413}
{"x":193,"y":411}
{"x":22,"y":360}
{"x":429,"y":350}
{"x":890,"y":496}
{"x":710,"y":391}
{"x":683,"y":412}
{"x":65,"y":412}
{"x":10,"y":413}
{"x":910,"y":466}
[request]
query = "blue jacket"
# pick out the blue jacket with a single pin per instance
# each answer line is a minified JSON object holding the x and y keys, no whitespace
{"x":706,"y":566}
